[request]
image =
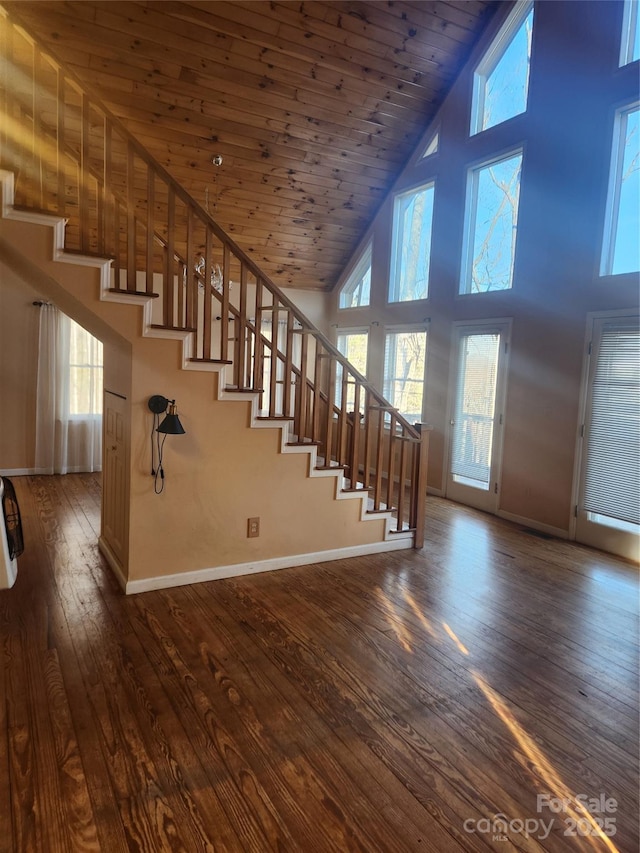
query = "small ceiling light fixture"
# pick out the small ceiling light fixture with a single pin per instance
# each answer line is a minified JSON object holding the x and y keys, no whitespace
{"x":170,"y":426}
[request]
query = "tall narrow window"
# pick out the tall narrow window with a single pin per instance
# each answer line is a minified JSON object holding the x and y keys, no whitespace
{"x":356,"y":291}
{"x":85,"y":372}
{"x":411,"y":245}
{"x":612,"y":470}
{"x":630,"y":45}
{"x":501,"y":80}
{"x":353,"y":344}
{"x":404,"y":371}
{"x":621,"y":250}
{"x":493,"y":194}
{"x":475,"y":405}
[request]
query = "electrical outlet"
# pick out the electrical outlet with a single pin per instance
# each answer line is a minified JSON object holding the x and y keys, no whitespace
{"x":253,"y":527}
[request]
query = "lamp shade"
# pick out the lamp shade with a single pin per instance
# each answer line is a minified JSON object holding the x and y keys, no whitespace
{"x":171,"y":424}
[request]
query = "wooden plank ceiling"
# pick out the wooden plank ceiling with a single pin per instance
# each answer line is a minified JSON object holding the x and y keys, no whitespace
{"x":314,"y":106}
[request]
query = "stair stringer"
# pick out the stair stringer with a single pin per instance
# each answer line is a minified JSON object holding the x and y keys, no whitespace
{"x":57,"y":224}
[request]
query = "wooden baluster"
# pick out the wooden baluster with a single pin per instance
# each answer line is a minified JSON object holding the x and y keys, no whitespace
{"x":288,"y":366}
{"x":379,"y":456}
{"x":258,"y":357}
{"x":38,"y":146}
{"x":402,"y":476}
{"x":100,"y":203}
{"x":187,"y":275}
{"x":317,"y":377}
{"x":391,"y":461}
{"x":224,"y":323}
{"x":241,"y":331}
{"x":109,"y":218}
{"x":354,"y":452}
{"x":29,"y":155}
{"x":206,"y":335}
{"x":83,"y":206}
{"x":180,"y":315}
{"x":131,"y":221}
{"x":169,"y":259}
{"x":149,"y":265}
{"x":420,"y":485}
{"x":273,"y":373}
{"x":331,"y":396}
{"x":5,"y":109}
{"x":116,"y":244}
{"x":300,"y":423}
{"x":368,"y":439}
{"x":61,"y":142}
{"x":343,"y":422}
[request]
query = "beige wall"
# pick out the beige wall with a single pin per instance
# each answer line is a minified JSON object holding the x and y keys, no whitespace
{"x":575,"y":86}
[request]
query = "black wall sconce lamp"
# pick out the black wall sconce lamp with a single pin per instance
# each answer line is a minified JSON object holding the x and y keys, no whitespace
{"x":171,"y":425}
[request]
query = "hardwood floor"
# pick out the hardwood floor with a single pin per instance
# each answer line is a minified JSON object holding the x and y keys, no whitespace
{"x":391,"y":703}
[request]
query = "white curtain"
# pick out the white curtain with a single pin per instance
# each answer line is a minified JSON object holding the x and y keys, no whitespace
{"x":69,"y":396}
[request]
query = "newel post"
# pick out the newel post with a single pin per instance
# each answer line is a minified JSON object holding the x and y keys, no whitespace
{"x":420,"y":481}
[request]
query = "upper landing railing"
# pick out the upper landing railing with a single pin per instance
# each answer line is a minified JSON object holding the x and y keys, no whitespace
{"x":71,"y":157}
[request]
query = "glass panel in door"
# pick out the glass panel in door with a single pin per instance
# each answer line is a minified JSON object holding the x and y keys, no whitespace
{"x":476,"y":419}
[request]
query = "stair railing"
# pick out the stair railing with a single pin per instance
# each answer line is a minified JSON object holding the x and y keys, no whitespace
{"x":73,"y":158}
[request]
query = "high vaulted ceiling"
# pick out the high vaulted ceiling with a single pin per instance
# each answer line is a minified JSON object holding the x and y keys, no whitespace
{"x":314,"y":106}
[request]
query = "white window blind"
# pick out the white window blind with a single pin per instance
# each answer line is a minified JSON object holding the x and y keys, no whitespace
{"x":612,"y":483}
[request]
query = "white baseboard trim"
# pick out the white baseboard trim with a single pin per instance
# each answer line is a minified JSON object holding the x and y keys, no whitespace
{"x":34,"y":472}
{"x":438,"y":493}
{"x":219,"y":572}
{"x":558,"y":532}
{"x":114,"y":565}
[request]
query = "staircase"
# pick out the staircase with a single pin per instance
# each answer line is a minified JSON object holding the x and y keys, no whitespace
{"x":68,"y":162}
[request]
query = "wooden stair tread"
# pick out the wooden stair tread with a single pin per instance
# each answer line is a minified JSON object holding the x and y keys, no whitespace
{"x":122,"y":292}
{"x":233,"y":389}
{"x":173,"y":328}
{"x":211,"y":361}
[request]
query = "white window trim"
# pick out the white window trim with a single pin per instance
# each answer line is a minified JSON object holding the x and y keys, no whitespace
{"x":490,"y":59}
{"x":392,"y":290}
{"x":469,"y":222}
{"x":613,"y":191}
{"x":629,"y":18}
{"x":355,"y":275}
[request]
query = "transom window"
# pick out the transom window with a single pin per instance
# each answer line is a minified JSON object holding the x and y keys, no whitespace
{"x":501,"y":80}
{"x":621,"y":251}
{"x":356,"y":291}
{"x":411,"y":245}
{"x":404,"y":370}
{"x":493,"y":196}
